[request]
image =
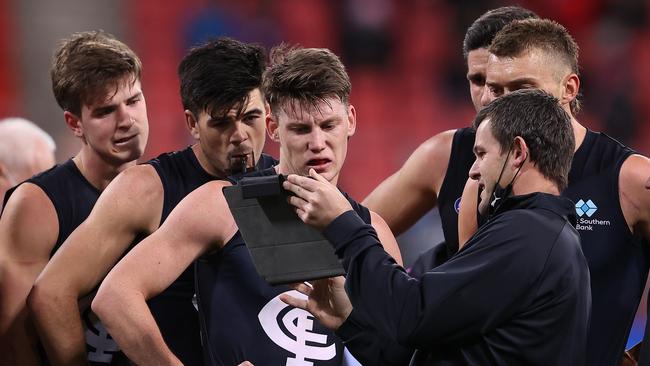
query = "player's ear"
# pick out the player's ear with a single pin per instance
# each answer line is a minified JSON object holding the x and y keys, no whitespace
{"x":74,"y":123}
{"x":519,"y":151}
{"x":352,"y":120}
{"x":570,"y":90}
{"x":272,"y":127}
{"x":192,"y":124}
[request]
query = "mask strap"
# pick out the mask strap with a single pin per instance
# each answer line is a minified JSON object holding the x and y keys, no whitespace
{"x":496,"y":184}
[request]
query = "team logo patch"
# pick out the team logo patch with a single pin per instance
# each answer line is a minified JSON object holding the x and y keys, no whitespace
{"x":585,"y":222}
{"x":101,"y":347}
{"x":457,"y":205}
{"x":292,"y":329}
{"x":585,"y":208}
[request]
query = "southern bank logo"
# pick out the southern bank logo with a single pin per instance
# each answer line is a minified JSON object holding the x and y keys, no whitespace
{"x":586,"y":208}
{"x":585,"y":211}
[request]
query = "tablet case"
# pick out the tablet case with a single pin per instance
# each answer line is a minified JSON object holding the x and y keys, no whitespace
{"x":284,"y":249}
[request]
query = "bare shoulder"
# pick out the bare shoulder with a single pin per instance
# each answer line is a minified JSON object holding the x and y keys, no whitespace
{"x":208,"y":193}
{"x":633,"y":177}
{"x":376,"y":220}
{"x":437,"y":146}
{"x":202,"y":217}
{"x":386,"y":237}
{"x":133,"y":200}
{"x":141,"y":181}
{"x":204,"y":203}
{"x":430,"y":160}
{"x":29,"y":221}
{"x":634,"y":197}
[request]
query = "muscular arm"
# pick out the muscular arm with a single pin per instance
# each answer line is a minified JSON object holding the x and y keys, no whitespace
{"x":634,"y":197}
{"x":131,"y":204}
{"x":28,"y":232}
{"x":467,"y":224}
{"x":404,"y":197}
{"x":200,"y":222}
{"x":386,"y":237}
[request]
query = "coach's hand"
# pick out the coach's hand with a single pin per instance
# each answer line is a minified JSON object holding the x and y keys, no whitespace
{"x":326,"y":301}
{"x":316,"y":200}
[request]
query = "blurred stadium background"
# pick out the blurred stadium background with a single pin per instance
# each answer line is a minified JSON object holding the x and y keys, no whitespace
{"x":404,"y":58}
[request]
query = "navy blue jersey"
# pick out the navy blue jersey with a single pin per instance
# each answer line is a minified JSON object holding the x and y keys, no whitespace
{"x":73,"y":198}
{"x":460,"y":162}
{"x":180,"y":173}
{"x":244,"y":319}
{"x":516,"y":294}
{"x":618,"y":261}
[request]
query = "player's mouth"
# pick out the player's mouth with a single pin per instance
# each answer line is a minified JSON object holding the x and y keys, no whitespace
{"x":125,"y":140}
{"x":319,"y":165}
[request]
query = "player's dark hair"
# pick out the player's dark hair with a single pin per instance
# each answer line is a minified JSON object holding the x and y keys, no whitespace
{"x":539,"y":119}
{"x":89,"y":65}
{"x":522,"y":36}
{"x":307,"y":76}
{"x":483,"y":30}
{"x":218,"y":75}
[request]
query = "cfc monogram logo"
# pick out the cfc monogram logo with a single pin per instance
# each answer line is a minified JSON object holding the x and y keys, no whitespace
{"x":101,"y":346}
{"x":292,"y":329}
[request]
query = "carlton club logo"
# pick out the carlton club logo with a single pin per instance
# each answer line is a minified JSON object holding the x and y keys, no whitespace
{"x":585,"y":210}
{"x":292,"y":329}
{"x":101,"y":347}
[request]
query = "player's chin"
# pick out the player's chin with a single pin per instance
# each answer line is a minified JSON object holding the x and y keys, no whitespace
{"x":127,"y":156}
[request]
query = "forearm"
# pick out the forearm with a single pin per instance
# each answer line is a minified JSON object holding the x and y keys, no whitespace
{"x":369,"y":346}
{"x":18,"y":343}
{"x":128,"y":319}
{"x":382,"y":296}
{"x":17,"y":336}
{"x":58,"y":323}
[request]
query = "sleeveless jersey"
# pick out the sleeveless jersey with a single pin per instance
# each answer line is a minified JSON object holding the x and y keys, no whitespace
{"x":73,"y":198}
{"x":242,"y":317}
{"x":618,"y":261}
{"x":180,"y":173}
{"x":460,"y":162}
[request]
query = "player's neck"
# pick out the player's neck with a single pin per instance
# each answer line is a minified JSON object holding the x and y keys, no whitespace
{"x":532,"y":181}
{"x":96,"y":170}
{"x":204,"y":162}
{"x":579,"y":132}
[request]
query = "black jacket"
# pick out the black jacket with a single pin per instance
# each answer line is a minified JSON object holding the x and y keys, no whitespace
{"x":518,"y":293}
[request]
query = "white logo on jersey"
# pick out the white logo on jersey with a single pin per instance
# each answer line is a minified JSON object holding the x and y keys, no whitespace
{"x":99,"y":339}
{"x":299,"y":324}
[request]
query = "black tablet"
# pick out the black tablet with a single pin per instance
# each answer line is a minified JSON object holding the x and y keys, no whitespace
{"x":284,"y":249}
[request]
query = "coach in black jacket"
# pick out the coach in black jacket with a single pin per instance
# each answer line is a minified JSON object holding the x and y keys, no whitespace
{"x":516,"y":294}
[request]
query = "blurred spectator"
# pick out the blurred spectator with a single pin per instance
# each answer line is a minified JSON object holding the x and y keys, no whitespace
{"x":25,"y":150}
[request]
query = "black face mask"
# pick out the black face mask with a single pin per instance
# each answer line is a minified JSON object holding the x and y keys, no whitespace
{"x":499,"y":193}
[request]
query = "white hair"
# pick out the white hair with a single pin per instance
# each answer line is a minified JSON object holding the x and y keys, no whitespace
{"x":20,"y":140}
